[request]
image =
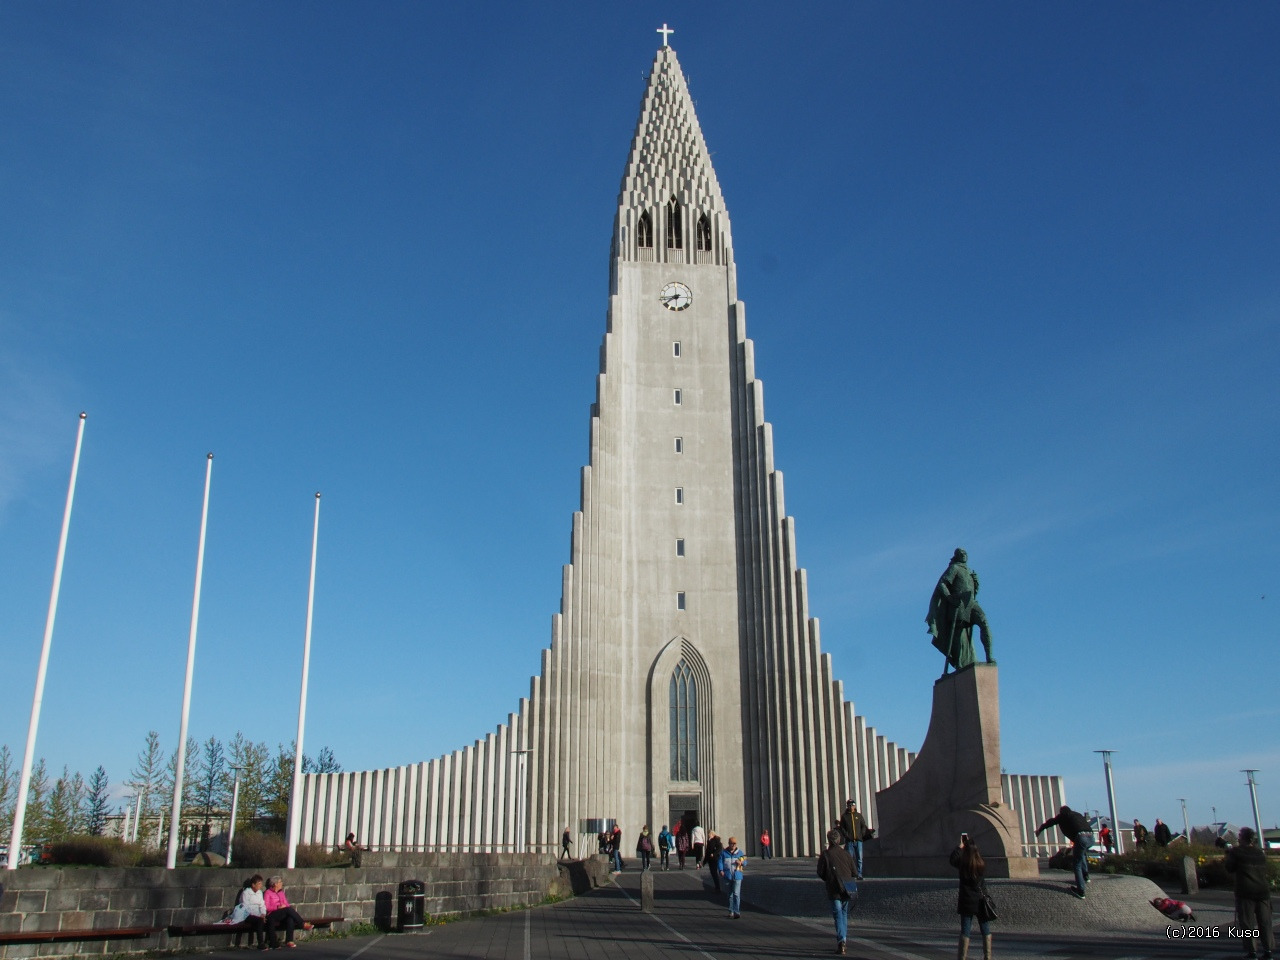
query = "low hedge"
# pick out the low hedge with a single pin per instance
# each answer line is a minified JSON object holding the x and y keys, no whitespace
{"x":90,"y":851}
{"x":1165,"y":864}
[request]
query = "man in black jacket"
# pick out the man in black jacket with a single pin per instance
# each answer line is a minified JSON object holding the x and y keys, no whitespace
{"x":1075,"y":828}
{"x":835,"y":867}
{"x":854,"y":829}
{"x":1253,"y":895}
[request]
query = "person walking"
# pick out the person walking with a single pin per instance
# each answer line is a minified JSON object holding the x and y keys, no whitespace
{"x":1076,"y":829}
{"x":665,"y":841}
{"x":731,"y":863}
{"x":644,"y":848}
{"x":565,"y":840}
{"x":973,"y":887}
{"x":697,"y":840}
{"x":1104,"y":837}
{"x":854,"y":829}
{"x":682,"y":845}
{"x":835,"y":867}
{"x":1248,"y":864}
{"x":766,"y":845}
{"x":1140,"y":834}
{"x":1163,"y":835}
{"x":711,"y":857}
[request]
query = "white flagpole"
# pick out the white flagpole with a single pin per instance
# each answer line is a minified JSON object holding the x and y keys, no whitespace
{"x":180,"y":760}
{"x":295,"y":795}
{"x":24,"y":781}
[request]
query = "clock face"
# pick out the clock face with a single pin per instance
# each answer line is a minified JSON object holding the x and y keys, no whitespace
{"x":675,"y":296}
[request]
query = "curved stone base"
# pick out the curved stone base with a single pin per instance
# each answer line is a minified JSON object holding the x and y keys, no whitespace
{"x":953,"y":787}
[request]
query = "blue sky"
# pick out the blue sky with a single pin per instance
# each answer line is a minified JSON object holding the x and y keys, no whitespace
{"x":1012,"y":271}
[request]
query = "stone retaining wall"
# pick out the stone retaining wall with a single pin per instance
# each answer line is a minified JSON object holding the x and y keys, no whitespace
{"x":76,"y":898}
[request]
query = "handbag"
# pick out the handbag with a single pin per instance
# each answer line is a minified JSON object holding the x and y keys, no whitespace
{"x":851,"y":891}
{"x":987,"y":906}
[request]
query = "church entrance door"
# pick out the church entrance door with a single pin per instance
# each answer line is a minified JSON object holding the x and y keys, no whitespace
{"x":685,"y":808}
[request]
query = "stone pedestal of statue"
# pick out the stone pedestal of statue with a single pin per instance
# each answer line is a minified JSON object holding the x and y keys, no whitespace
{"x":952,"y":788}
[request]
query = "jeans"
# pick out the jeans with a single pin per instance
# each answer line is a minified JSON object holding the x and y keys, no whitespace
{"x":617,"y":860}
{"x":840,"y":913}
{"x":854,"y":849}
{"x":966,"y":924}
{"x":766,"y":851}
{"x":735,"y":894}
{"x":1079,"y":858}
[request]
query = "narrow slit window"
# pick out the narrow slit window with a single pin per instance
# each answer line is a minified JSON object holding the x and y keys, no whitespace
{"x":677,"y":397}
{"x":675,"y":230}
{"x":679,"y":547}
{"x":679,"y":494}
{"x":679,"y":444}
{"x":644,"y":231}
{"x":675,"y":349}
{"x":680,"y":600}
{"x":704,"y":233}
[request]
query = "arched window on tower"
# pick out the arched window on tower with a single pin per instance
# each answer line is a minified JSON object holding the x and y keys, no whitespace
{"x":684,"y":723}
{"x":675,"y":231}
{"x":644,"y":231}
{"x":703,"y":237}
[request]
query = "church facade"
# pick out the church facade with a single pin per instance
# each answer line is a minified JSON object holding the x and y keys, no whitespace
{"x":685,"y":677}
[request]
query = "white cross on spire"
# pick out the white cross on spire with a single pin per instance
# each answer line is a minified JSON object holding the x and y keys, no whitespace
{"x":666,"y":32}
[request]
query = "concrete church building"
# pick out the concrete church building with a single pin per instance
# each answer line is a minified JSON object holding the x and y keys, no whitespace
{"x":685,"y":676}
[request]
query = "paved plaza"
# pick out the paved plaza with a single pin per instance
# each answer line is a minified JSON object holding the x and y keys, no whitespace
{"x":690,"y":922}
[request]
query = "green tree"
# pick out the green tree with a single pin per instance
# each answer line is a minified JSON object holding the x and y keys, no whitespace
{"x":326,"y":762}
{"x":208,"y":777}
{"x":95,"y":803}
{"x":147,"y":777}
{"x":36,"y":823}
{"x":190,"y":774}
{"x":8,"y":792}
{"x":63,"y":813}
{"x":253,"y":761}
{"x":279,"y":785}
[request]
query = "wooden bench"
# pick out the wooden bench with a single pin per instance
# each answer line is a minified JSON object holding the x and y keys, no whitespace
{"x":71,"y":936}
{"x":207,"y":929}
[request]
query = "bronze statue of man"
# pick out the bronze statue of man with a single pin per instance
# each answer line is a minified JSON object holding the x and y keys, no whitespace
{"x":954,"y":612}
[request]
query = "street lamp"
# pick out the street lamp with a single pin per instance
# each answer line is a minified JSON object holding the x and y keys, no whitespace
{"x":1186,"y":824}
{"x":235,"y":798}
{"x":1111,"y":799}
{"x":1253,"y":798}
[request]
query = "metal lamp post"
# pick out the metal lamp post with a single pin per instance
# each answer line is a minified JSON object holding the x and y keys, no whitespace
{"x":1186,"y":824}
{"x":235,"y":799}
{"x":1253,"y":799}
{"x":1111,"y":799}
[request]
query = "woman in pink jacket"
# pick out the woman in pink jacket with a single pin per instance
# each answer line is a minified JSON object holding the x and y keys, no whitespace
{"x":279,"y":911}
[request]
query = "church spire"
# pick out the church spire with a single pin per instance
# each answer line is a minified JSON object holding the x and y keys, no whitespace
{"x":670,"y":208}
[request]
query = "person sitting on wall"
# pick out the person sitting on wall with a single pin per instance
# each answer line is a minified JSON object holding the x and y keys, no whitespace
{"x":352,"y":847}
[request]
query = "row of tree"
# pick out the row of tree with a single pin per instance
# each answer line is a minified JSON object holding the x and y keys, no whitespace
{"x":73,"y":805}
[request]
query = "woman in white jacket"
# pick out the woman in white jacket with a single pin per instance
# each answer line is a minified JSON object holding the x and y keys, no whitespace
{"x":251,"y":898}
